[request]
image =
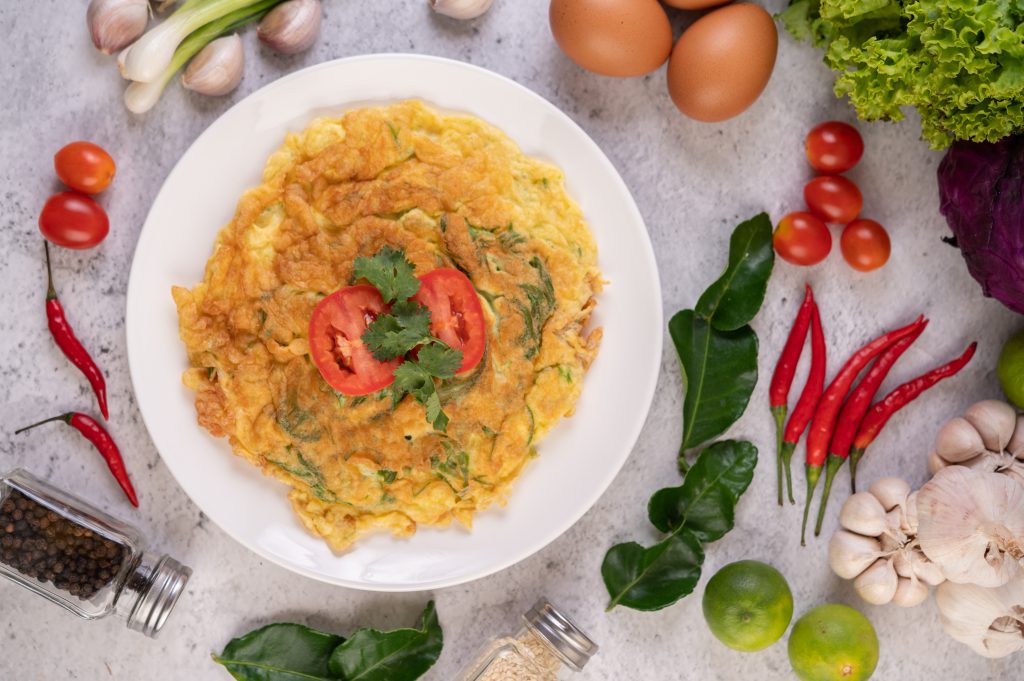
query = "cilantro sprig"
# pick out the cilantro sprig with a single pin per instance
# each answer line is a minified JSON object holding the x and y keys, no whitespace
{"x":404,"y":329}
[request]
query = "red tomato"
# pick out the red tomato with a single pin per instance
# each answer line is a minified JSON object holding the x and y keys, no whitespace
{"x":335,"y":341}
{"x":73,"y":220}
{"x":456,"y":316}
{"x":85,"y":167}
{"x":833,"y":198}
{"x":865,"y":245}
{"x":802,"y":239}
{"x":834,"y":147}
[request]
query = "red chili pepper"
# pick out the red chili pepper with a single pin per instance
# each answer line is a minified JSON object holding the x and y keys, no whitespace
{"x":828,"y":409}
{"x":100,"y":438}
{"x":808,"y":401}
{"x":65,"y":338}
{"x":883,"y":410}
{"x":856,"y":406}
{"x":782,"y":379}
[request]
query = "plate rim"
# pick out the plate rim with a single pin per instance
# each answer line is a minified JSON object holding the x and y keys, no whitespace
{"x":653,"y":368}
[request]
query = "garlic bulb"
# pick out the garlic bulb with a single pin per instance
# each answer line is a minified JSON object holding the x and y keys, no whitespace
{"x":971,"y":524}
{"x":217,"y":69}
{"x":115,"y":24}
{"x":878,"y":548}
{"x":461,"y":9}
{"x":292,"y":26}
{"x":986,"y":438}
{"x":990,"y":621}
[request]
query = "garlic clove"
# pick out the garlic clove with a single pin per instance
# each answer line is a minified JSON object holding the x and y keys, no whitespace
{"x":217,"y":69}
{"x":863,"y":514}
{"x":890,"y":492}
{"x":958,"y":441}
{"x":877,"y":585}
{"x":901,"y":562}
{"x":971,"y":524}
{"x":292,"y":26}
{"x":115,"y":24}
{"x":925,"y":570}
{"x":1016,"y":444}
{"x":987,"y":620}
{"x":910,"y":520}
{"x":849,"y":554}
{"x":936,"y":463}
{"x":995,"y":421}
{"x":461,"y":9}
{"x":910,"y":593}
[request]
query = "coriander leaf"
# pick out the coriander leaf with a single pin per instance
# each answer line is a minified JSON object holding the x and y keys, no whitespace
{"x":705,"y":503}
{"x":393,"y":335}
{"x":411,"y":378}
{"x":387,"y":475}
{"x":652,"y":578}
{"x":390,"y":273}
{"x":400,"y":655}
{"x":734,"y":299}
{"x":280,"y":652}
{"x":434,"y":413}
{"x":440,"y":360}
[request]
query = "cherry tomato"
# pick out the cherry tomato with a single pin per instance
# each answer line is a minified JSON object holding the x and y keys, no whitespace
{"x":73,"y":220}
{"x":456,"y":316}
{"x":85,"y":167}
{"x":802,"y":239}
{"x":834,"y":147}
{"x":865,"y":245}
{"x":833,"y":198}
{"x":335,"y":341}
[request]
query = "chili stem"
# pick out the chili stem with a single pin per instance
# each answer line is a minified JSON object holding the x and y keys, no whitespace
{"x":787,"y":455}
{"x":832,"y":466}
{"x":855,"y":455}
{"x":51,"y":292}
{"x":780,"y":425}
{"x":812,"y":473}
{"x":66,"y":418}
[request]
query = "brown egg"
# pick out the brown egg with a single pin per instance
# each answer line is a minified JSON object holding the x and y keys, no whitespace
{"x":612,"y":37}
{"x":722,"y":63}
{"x":694,"y":4}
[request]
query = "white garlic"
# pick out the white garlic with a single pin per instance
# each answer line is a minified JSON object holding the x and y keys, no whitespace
{"x":958,"y":441}
{"x":936,"y":463}
{"x":115,"y":24}
{"x":217,"y":69}
{"x":971,"y":524}
{"x":989,"y":620}
{"x":292,"y":26}
{"x":461,"y":9}
{"x":995,"y":422}
{"x":1016,"y":444}
{"x":878,"y":548}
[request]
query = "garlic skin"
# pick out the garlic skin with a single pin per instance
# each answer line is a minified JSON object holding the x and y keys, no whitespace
{"x":461,"y":9}
{"x":995,"y":422}
{"x":115,"y":24}
{"x":971,"y":524}
{"x":878,"y":546}
{"x":217,"y":69}
{"x":989,"y":437}
{"x":292,"y":26}
{"x":989,"y":621}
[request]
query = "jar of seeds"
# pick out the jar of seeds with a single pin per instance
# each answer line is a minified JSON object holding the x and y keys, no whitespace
{"x":82,"y":559}
{"x":548,"y":647}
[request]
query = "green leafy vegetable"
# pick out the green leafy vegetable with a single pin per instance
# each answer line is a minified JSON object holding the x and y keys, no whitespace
{"x":387,"y":475}
{"x":309,"y":473}
{"x":394,"y":335}
{"x":959,"y":62}
{"x":653,"y":578}
{"x":416,"y":378}
{"x":733,"y":300}
{"x":298,"y":422}
{"x":719,"y":374}
{"x":390,"y":273}
{"x":292,"y":652}
{"x":705,"y":502}
{"x":536,"y":309}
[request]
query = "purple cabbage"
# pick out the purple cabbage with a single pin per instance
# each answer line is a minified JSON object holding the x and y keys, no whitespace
{"x":981,"y":186}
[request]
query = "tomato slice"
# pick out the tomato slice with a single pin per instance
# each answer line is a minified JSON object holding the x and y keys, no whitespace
{"x":335,"y":341}
{"x":456,"y":316}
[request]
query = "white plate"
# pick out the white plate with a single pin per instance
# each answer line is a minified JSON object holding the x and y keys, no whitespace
{"x":578,"y":460}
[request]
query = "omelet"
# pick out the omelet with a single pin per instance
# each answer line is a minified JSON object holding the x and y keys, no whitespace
{"x":449,"y":191}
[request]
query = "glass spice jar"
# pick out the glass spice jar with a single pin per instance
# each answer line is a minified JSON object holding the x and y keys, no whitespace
{"x":548,"y":647}
{"x":82,"y":559}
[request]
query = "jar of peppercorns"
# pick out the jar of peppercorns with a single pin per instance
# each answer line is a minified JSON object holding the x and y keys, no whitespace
{"x":82,"y":559}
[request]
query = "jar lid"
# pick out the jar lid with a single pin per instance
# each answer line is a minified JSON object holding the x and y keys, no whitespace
{"x":572,"y":645}
{"x":164,"y":585}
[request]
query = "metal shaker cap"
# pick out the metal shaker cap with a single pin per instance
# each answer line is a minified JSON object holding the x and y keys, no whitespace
{"x":567,"y":640}
{"x":162,"y":586}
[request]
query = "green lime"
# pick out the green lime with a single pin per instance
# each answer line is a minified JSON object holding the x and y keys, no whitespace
{"x":1011,"y":369}
{"x":833,"y":643}
{"x":748,"y":605}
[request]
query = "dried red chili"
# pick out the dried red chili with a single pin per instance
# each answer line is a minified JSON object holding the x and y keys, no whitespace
{"x":69,"y":344}
{"x":100,"y":438}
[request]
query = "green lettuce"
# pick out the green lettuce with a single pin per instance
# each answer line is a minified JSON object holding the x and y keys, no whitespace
{"x":959,"y":62}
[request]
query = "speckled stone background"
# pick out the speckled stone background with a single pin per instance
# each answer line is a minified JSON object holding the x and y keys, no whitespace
{"x":692,"y":181}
